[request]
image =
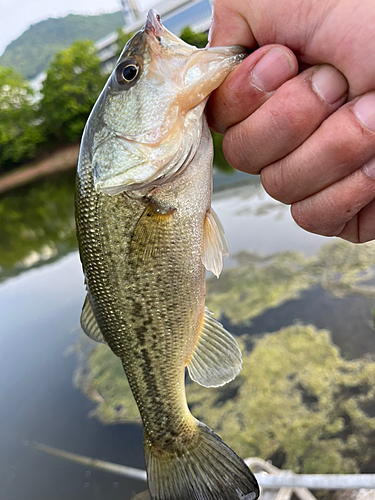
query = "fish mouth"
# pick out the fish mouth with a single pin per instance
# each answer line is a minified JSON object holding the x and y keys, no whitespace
{"x":153,"y":23}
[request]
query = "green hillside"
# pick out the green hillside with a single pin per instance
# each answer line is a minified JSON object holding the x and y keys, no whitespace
{"x":31,"y":52}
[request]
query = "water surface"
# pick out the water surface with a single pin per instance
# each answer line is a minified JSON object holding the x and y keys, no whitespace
{"x":41,"y":295}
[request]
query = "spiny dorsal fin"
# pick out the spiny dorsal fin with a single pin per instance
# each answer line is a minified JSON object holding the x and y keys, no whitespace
{"x":88,"y":322}
{"x":216,"y":359}
{"x":150,"y":232}
{"x":215,"y":244}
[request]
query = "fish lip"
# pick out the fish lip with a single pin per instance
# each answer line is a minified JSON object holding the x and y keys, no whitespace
{"x":153,"y":23}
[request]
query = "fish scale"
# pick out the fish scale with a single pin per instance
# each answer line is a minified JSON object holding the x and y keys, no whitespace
{"x":130,"y":294}
{"x":146,"y":235}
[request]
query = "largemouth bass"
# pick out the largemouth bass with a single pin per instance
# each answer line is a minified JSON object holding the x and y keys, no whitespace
{"x":146,"y":235}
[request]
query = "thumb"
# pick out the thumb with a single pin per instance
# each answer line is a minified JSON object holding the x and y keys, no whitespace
{"x":229,"y":27}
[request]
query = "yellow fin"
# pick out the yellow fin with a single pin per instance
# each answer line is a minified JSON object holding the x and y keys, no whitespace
{"x":216,"y":359}
{"x":150,"y":233}
{"x":215,"y":244}
{"x":206,"y":470}
{"x":88,"y":322}
{"x":142,"y":496}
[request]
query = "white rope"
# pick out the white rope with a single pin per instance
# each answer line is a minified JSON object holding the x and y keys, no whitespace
{"x":273,"y":478}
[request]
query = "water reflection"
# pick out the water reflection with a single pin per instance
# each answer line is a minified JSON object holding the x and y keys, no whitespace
{"x":37,"y":224}
{"x":312,"y":380}
{"x":294,"y":381}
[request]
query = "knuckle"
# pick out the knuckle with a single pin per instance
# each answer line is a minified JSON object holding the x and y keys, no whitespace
{"x":234,"y":149}
{"x":358,"y":142}
{"x":300,"y":217}
{"x":275,"y":183}
{"x":286,"y":109}
{"x":311,"y":221}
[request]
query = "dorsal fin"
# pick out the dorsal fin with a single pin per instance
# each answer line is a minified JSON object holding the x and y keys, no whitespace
{"x":88,"y":322}
{"x":215,"y":244}
{"x":216,"y":359}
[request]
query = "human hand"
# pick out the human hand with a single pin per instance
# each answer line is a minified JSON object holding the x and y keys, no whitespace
{"x":311,"y":135}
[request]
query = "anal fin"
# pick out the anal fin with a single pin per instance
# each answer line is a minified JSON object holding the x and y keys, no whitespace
{"x":88,"y":322}
{"x":215,"y":244}
{"x":216,"y":359}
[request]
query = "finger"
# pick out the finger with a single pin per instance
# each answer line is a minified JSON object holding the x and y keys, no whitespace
{"x":361,"y":227}
{"x":330,"y":211}
{"x":342,"y":144}
{"x":286,"y":119}
{"x":249,"y":85}
{"x":229,"y":27}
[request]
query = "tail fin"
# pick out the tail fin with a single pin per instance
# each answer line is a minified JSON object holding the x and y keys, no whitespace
{"x":209,"y":470}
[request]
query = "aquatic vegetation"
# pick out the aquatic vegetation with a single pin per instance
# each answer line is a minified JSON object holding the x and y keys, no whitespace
{"x":299,"y":403}
{"x":259,"y":283}
{"x":100,"y":376}
{"x":296,"y":402}
{"x":256,"y":284}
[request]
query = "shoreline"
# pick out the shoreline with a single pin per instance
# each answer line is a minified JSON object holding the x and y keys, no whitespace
{"x":60,"y":160}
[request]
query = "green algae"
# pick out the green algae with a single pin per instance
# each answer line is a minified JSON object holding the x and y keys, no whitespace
{"x":296,"y":398}
{"x":259,"y":283}
{"x":297,"y":401}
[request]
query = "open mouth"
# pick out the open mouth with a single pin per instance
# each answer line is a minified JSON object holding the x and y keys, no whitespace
{"x":153,"y":23}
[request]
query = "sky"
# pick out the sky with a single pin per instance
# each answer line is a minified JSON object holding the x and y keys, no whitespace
{"x":17,"y":15}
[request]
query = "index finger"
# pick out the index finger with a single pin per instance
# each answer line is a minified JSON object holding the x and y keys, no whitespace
{"x":249,"y":85}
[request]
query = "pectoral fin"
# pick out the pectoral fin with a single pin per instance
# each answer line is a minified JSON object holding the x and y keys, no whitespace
{"x":151,"y":233}
{"x":215,"y":244}
{"x":88,"y":322}
{"x":142,"y":496}
{"x":216,"y":359}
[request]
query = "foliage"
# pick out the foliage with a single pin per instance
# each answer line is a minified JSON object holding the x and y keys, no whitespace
{"x":220,"y":161}
{"x":33,"y":50}
{"x":296,"y":401}
{"x":259,"y":283}
{"x":73,"y":83}
{"x":19,"y":134}
{"x":37,"y":224}
{"x":122,"y":40}
{"x":189,"y":36}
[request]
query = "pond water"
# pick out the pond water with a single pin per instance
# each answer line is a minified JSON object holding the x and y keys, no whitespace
{"x":41,"y":295}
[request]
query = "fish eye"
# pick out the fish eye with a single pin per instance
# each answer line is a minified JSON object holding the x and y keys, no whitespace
{"x":127,"y":71}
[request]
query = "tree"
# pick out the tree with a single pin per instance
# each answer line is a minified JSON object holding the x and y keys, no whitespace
{"x":122,"y":40}
{"x":198,"y":39}
{"x":19,"y":133}
{"x":74,"y":81}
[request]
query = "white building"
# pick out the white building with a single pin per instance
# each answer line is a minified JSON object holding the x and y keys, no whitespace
{"x":175,"y":14}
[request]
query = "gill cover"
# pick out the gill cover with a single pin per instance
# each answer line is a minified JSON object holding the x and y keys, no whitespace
{"x":148,"y":120}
